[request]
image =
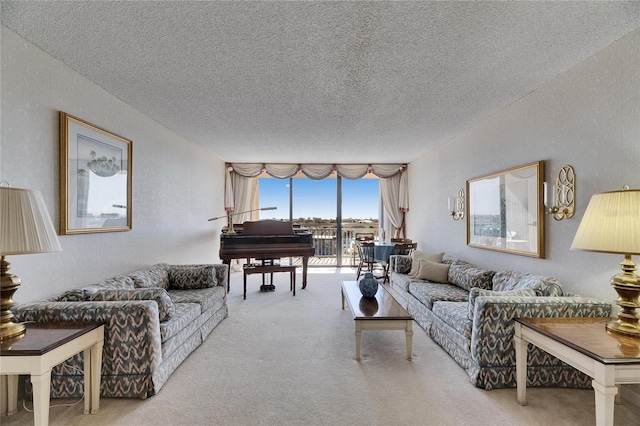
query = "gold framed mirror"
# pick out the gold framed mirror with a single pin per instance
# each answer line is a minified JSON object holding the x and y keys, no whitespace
{"x":505,"y":211}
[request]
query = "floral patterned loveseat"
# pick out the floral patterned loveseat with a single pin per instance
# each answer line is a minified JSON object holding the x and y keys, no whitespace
{"x":154,"y":318}
{"x":469,"y":312}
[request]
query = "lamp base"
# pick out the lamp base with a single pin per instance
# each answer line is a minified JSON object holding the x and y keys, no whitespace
{"x":11,"y":330}
{"x":230,"y":230}
{"x":623,"y":328}
{"x":8,"y":285}
{"x":627,"y":285}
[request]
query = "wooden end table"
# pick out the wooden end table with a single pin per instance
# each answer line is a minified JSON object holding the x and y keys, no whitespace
{"x":380,"y":313}
{"x":584,"y":344}
{"x":42,"y":347}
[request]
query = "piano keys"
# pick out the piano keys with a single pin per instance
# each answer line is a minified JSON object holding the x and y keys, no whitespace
{"x":267,"y":239}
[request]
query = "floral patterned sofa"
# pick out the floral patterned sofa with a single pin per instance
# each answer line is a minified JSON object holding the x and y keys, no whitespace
{"x":469,"y":311}
{"x":154,"y":318}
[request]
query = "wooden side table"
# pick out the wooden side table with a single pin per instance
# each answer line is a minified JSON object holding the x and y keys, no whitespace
{"x":43,"y":346}
{"x":583,"y":343}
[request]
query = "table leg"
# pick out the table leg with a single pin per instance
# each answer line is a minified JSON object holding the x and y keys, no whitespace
{"x":605,"y":394}
{"x":41,"y":393}
{"x":358,"y":338}
{"x":3,"y":395}
{"x":96,"y":375}
{"x":521,"y":364}
{"x":228,"y":263}
{"x":88,"y":388}
{"x":409,"y":335}
{"x":342,"y":294}
{"x":12,"y":394}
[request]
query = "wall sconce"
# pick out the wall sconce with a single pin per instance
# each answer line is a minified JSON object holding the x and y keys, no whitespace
{"x":561,"y":201}
{"x":456,"y":205}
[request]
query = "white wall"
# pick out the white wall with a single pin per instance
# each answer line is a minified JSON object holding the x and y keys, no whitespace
{"x":177,"y":185}
{"x":588,"y":117}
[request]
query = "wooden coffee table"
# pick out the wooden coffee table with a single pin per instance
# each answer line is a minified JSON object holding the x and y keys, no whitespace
{"x":379,"y":313}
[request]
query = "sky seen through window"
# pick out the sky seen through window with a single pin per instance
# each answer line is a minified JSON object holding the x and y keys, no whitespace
{"x":317,"y":198}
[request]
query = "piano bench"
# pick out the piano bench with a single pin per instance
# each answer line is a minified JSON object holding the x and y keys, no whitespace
{"x":269,"y":269}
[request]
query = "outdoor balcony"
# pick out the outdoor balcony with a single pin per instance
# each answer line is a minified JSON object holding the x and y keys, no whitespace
{"x":325,"y":241}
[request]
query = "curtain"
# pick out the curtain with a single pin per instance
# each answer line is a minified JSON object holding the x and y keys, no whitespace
{"x":394,"y":190}
{"x":318,"y":171}
{"x":239,"y":195}
{"x":243,"y":191}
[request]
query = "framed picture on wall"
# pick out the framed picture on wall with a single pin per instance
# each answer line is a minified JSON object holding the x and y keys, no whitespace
{"x":95,"y":178}
{"x":505,"y":211}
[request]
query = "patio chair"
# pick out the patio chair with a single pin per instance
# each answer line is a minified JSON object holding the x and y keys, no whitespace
{"x":360,"y":236}
{"x":366,"y":259}
{"x":401,"y":240}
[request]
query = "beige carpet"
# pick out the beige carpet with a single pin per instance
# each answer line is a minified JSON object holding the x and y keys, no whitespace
{"x":283,"y":360}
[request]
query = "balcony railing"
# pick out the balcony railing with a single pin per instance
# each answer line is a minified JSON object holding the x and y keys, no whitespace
{"x":325,"y":241}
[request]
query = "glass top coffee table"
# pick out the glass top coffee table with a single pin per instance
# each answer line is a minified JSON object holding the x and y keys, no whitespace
{"x":381,"y":312}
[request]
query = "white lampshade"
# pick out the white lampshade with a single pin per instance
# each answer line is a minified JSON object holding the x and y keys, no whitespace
{"x":25,"y":224}
{"x":611,"y":224}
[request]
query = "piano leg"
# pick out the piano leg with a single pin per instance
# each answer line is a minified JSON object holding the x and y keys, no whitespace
{"x":228,"y":263}
{"x":305,"y":263}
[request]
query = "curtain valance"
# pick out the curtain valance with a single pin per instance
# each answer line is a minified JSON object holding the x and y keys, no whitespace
{"x":394,"y":191}
{"x":317,"y":171}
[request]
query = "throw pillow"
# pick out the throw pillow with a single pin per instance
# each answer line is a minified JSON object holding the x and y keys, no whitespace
{"x":467,"y":276}
{"x":188,"y":277}
{"x":423,"y":255}
{"x":166,"y":308}
{"x":514,"y":280}
{"x":153,"y":276}
{"x":75,"y":295}
{"x":433,"y":271}
{"x":476,"y":292}
{"x":122,"y":282}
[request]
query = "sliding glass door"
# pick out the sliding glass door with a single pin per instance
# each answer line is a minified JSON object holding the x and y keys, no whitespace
{"x":333,"y":209}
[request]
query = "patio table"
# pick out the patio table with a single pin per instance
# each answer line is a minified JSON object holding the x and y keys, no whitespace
{"x":382,"y":251}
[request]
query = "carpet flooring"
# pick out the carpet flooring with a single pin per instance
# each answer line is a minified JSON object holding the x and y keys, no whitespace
{"x":284,"y":360}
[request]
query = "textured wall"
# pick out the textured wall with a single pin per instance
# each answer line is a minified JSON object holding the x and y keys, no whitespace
{"x":588,"y":117}
{"x":176,"y":184}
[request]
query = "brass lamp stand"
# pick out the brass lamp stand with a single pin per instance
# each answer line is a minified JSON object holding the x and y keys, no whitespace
{"x":8,"y":286}
{"x":611,"y":224}
{"x":25,"y":228}
{"x":627,"y":285}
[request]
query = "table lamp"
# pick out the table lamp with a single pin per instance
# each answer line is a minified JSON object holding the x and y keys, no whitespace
{"x":25,"y":227}
{"x":611,"y":224}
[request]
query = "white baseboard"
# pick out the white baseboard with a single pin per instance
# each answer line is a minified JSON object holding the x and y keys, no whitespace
{"x":631,"y":393}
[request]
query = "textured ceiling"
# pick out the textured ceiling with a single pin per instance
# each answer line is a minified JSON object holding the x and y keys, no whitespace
{"x":320,"y":82}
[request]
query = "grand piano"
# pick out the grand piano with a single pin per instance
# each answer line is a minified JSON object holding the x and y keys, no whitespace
{"x":267,"y":239}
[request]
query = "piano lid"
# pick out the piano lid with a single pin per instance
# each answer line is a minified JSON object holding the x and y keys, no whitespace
{"x":267,"y":227}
